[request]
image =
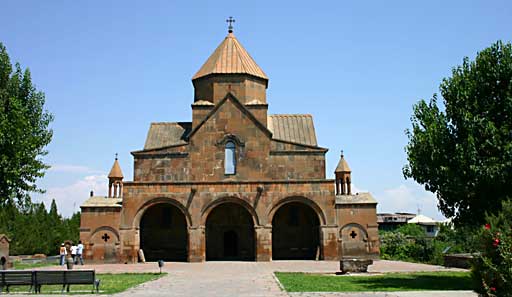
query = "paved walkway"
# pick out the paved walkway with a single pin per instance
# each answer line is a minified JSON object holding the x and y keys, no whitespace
{"x":250,"y":278}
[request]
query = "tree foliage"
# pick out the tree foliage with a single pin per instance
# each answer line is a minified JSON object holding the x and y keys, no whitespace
{"x":462,"y":149}
{"x":410,"y":243}
{"x":24,"y":133}
{"x":34,"y":230}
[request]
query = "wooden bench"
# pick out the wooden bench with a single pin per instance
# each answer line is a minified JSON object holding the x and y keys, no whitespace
{"x":65,"y":278}
{"x":16,"y":278}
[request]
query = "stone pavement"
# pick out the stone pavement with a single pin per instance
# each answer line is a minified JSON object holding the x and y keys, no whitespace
{"x":250,"y":278}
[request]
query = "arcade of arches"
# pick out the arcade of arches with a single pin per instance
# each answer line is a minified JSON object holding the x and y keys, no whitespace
{"x":230,"y":233}
{"x":281,"y":205}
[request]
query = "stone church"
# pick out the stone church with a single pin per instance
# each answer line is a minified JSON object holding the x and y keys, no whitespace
{"x":235,"y":183}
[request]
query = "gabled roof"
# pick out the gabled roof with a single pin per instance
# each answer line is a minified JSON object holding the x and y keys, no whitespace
{"x":358,"y":198}
{"x":115,"y":172}
{"x":230,"y":57}
{"x":167,"y":134}
{"x":296,"y":128}
{"x":99,"y":201}
{"x":237,"y":103}
{"x":422,"y":220}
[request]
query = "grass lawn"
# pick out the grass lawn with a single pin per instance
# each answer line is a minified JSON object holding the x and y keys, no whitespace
{"x":110,"y":284}
{"x":420,"y":281}
{"x":20,"y":265}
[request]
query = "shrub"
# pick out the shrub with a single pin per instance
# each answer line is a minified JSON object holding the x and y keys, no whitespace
{"x":492,"y":270}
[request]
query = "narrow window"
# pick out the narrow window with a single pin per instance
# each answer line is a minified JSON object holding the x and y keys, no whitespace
{"x":230,"y":158}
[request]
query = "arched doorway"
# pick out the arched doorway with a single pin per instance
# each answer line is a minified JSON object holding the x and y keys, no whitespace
{"x":163,"y":233}
{"x":230,"y":233}
{"x":295,"y":233}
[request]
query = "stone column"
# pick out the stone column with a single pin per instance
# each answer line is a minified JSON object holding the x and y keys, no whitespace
{"x":129,"y":245}
{"x":196,"y":244}
{"x":329,"y":242}
{"x":263,"y":236}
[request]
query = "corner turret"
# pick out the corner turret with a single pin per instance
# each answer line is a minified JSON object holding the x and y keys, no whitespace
{"x":115,"y":181}
{"x":343,"y":178}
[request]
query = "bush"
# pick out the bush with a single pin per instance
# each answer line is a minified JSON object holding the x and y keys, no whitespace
{"x":492,"y":270}
{"x":409,"y":243}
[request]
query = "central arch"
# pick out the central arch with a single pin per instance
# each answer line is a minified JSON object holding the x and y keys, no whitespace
{"x":295,"y":232}
{"x":230,"y":233}
{"x":163,"y":233}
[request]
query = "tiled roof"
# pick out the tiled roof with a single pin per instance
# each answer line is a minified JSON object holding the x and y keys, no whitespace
{"x":296,"y":128}
{"x":359,"y":198}
{"x":342,"y":165}
{"x":98,"y":201}
{"x":230,"y":57}
{"x":167,"y":134}
{"x":116,"y":170}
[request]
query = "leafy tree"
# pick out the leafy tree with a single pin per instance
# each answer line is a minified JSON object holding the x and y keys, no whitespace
{"x":24,"y":133}
{"x":413,"y":230}
{"x":461,"y":150}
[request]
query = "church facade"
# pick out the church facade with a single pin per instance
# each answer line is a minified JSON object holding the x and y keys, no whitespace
{"x":235,"y":183}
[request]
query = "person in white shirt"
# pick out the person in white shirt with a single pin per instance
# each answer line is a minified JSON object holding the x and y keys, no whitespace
{"x":79,"y":253}
{"x":73,"y":252}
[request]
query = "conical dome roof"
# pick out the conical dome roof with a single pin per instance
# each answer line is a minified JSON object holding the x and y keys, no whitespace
{"x":230,"y":57}
{"x":115,"y":172}
{"x":342,"y":165}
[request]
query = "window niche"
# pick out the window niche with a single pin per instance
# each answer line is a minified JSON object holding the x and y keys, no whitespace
{"x":230,"y":158}
{"x":232,"y":145}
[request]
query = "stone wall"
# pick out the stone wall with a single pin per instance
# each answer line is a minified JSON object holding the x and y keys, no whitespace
{"x":358,"y":230}
{"x":196,"y":200}
{"x":245,"y":87}
{"x":99,"y":233}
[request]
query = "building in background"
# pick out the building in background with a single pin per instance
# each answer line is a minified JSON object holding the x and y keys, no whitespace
{"x":392,"y":221}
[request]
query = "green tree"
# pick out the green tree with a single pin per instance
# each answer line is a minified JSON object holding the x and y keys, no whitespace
{"x":461,"y":150}
{"x":24,"y":133}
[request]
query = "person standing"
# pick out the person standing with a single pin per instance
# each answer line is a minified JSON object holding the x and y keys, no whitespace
{"x":62,"y":253}
{"x":79,"y":253}
{"x":73,"y":253}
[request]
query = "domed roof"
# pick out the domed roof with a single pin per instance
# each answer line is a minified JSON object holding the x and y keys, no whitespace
{"x":230,"y":57}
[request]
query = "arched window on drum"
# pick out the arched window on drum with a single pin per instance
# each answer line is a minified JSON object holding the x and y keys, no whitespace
{"x":230,"y":158}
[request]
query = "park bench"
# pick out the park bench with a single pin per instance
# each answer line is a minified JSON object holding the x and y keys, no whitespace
{"x":65,"y":278}
{"x":16,"y":278}
{"x":37,"y":278}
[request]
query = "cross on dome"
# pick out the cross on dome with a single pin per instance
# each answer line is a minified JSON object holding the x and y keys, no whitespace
{"x":230,"y":21}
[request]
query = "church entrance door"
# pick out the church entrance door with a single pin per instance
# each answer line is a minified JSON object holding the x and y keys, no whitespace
{"x":230,"y":234}
{"x":163,"y":233}
{"x":230,"y":244}
{"x":295,"y":233}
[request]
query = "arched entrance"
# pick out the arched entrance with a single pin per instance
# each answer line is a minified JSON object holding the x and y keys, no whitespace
{"x":230,"y":233}
{"x":295,"y":233}
{"x":163,"y":233}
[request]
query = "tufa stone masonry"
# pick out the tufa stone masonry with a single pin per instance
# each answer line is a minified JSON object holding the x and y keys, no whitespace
{"x":235,"y":183}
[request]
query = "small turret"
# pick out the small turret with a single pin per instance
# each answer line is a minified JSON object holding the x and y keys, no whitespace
{"x":115,"y":181}
{"x":343,"y":179}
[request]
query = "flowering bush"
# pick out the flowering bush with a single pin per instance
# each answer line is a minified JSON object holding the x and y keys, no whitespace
{"x":492,"y":270}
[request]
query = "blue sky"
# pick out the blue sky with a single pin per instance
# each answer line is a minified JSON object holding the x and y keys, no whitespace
{"x":110,"y":68}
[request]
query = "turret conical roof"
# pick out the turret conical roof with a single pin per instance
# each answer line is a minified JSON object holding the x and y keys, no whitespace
{"x":115,"y":172}
{"x":342,"y":165}
{"x":230,"y":57}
